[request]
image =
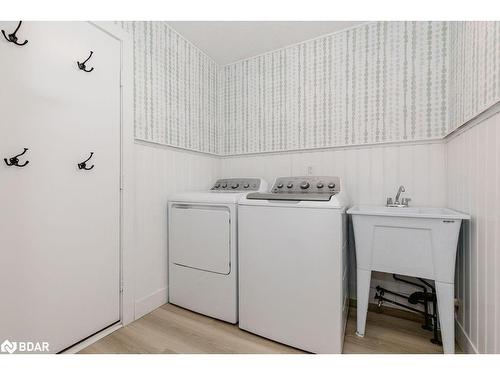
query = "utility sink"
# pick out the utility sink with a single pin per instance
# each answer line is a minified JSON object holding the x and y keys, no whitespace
{"x":416,"y":212}
{"x":411,"y":241}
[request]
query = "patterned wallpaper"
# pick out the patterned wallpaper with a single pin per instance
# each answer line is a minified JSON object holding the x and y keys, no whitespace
{"x":380,"y":82}
{"x":474,"y":69}
{"x":175,"y":90}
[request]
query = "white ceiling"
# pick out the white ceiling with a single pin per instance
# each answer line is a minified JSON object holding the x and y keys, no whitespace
{"x":230,"y":41}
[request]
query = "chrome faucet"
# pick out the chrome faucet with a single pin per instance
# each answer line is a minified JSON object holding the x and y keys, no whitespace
{"x":400,"y":190}
{"x":396,"y":203}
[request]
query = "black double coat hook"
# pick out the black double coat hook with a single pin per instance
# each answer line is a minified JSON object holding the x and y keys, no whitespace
{"x":81,"y":65}
{"x":12,"y":38}
{"x":83,"y":164}
{"x":14,"y":160}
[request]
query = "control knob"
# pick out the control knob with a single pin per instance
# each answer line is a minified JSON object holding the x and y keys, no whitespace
{"x":234,"y":186}
{"x":224,"y":186}
{"x":320,"y":185}
{"x":280,"y":186}
{"x":331,"y":185}
{"x":216,"y":186}
{"x":290,"y":185}
{"x":304,"y":185}
{"x":246,"y":186}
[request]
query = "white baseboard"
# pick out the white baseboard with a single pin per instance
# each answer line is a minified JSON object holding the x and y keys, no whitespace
{"x":151,"y":302}
{"x":92,"y":339}
{"x":464,"y":340}
{"x":142,"y":307}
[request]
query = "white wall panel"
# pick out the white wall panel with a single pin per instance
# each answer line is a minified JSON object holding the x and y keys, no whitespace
{"x":473,"y":170}
{"x":161,"y":171}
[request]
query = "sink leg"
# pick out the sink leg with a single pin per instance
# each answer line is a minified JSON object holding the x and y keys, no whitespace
{"x":363,"y":293}
{"x":445,"y":299}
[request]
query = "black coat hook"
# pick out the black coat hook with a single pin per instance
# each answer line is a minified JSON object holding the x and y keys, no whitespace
{"x":14,"y":161}
{"x":82,"y":66}
{"x":12,"y":38}
{"x":83,"y":164}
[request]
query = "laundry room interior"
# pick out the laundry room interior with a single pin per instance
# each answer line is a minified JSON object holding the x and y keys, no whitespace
{"x":250,"y":187}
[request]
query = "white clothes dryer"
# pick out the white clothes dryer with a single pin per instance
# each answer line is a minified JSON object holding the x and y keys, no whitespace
{"x":203,"y":247}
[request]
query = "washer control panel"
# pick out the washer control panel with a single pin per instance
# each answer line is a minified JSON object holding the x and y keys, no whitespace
{"x":307,"y":184}
{"x":237,"y":184}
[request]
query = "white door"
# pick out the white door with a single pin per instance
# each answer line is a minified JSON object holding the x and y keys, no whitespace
{"x":59,"y":225}
{"x":200,"y":237}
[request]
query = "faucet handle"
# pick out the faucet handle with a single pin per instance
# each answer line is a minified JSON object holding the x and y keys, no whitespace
{"x":405,"y":201}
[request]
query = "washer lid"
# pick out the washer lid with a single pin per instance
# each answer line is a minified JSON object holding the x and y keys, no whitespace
{"x":321,"y":190}
{"x":339,"y":200}
{"x":322,"y":197}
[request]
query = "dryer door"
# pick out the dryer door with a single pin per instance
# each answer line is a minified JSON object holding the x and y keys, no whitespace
{"x":200,"y":237}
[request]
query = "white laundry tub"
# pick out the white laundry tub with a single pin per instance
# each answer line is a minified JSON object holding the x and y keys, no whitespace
{"x":412,"y":241}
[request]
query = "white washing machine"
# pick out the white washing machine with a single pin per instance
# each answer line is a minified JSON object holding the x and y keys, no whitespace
{"x":203,"y":247}
{"x":293,"y":263}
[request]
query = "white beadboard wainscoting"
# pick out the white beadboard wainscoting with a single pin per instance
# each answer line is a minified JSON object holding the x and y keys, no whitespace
{"x":473,"y":170}
{"x":369,"y":174}
{"x":161,"y":171}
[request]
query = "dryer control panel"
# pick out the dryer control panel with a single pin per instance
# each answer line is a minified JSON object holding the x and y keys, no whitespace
{"x":237,"y":184}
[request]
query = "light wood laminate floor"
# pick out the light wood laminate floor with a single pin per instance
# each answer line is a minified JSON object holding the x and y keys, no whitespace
{"x":171,"y":329}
